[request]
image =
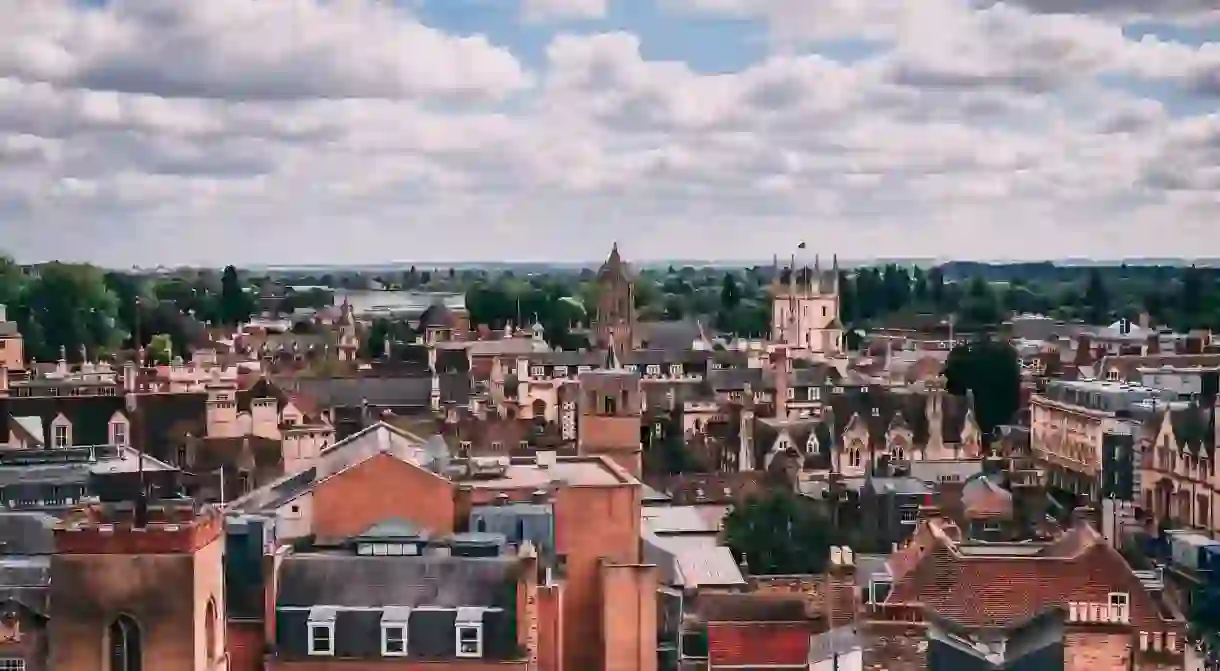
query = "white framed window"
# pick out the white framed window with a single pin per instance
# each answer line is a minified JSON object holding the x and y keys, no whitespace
{"x":653,"y":369}
{"x":837,"y":390}
{"x":393,"y":639}
{"x":878,"y":590}
{"x":12,"y":664}
{"x":992,"y":527}
{"x":632,"y":368}
{"x":1120,"y":606}
{"x":907,"y":516}
{"x":322,"y":638}
{"x":815,"y":393}
{"x":470,"y":639}
{"x":675,"y":369}
{"x":537,"y":371}
{"x":61,"y":435}
{"x":118,"y":436}
{"x":791,"y":394}
{"x":1112,"y":374}
{"x":561,"y":371}
{"x":583,"y":369}
{"x":876,"y":412}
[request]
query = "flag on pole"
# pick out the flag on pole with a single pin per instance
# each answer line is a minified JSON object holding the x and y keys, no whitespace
{"x":801,"y":246}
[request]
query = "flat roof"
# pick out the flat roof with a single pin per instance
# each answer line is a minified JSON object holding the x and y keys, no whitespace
{"x":574,"y":471}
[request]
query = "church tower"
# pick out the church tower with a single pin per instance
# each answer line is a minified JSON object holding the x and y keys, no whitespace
{"x":615,"y":319}
{"x":805,"y":308}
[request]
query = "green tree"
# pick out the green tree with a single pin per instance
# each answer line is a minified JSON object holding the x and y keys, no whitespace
{"x":774,"y":533}
{"x":1096,"y":299}
{"x":65,"y":307}
{"x":730,"y":293}
{"x":991,"y":372}
{"x":980,"y":307}
{"x":236,"y":305}
{"x":161,"y":349}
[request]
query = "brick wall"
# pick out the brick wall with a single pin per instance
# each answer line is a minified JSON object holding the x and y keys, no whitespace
{"x":245,"y":645}
{"x":843,"y":604}
{"x":377,"y":489}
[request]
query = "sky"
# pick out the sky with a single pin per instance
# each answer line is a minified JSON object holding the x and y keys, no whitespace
{"x":144,"y":132}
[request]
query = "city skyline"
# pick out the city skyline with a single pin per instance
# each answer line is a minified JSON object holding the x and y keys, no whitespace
{"x":303,"y":132}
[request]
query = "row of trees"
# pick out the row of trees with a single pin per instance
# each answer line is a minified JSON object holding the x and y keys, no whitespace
{"x":69,"y":305}
{"x":63,"y":307}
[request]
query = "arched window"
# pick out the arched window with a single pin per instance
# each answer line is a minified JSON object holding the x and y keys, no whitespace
{"x":125,"y":650}
{"x":209,"y":629}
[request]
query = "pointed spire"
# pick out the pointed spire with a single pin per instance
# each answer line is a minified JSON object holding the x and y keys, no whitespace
{"x":612,"y":362}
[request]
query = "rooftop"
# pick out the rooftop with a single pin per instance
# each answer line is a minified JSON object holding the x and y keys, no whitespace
{"x":571,"y":471}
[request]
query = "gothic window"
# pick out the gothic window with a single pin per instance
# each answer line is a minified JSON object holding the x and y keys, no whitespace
{"x":209,"y":629}
{"x":125,"y":650}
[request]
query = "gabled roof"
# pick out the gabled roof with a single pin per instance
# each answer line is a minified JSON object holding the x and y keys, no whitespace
{"x":355,"y":449}
{"x":999,"y":590}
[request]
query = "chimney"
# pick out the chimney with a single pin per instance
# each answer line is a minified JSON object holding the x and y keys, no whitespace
{"x":1145,"y":320}
{"x":1154,"y":344}
{"x":545,"y":459}
{"x":779,"y":368}
{"x":462,"y":504}
{"x":928,"y":509}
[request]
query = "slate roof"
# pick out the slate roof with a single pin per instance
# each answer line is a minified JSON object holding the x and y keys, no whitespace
{"x":402,"y":391}
{"x":26,"y":580}
{"x":669,"y":335}
{"x":89,"y":415}
{"x":438,"y":316}
{"x":27,"y":533}
{"x":345,"y":580}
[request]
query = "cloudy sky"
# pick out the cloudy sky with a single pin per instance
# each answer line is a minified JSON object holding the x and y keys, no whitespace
{"x":345,"y":131}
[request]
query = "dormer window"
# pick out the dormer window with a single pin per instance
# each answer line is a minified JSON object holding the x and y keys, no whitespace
{"x":654,"y":369}
{"x":322,"y":631}
{"x":537,"y":371}
{"x":61,"y":432}
{"x":561,"y":371}
{"x":675,"y":369}
{"x":394,"y":630}
{"x":469,"y":633}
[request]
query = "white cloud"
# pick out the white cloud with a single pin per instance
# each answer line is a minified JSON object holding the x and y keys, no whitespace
{"x":563,"y":10}
{"x":245,"y":49}
{"x":976,"y":132}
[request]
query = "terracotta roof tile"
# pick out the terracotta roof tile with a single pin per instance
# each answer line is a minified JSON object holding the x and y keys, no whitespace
{"x":995,"y":591}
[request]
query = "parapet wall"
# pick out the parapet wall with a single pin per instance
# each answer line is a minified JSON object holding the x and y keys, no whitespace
{"x":97,"y":536}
